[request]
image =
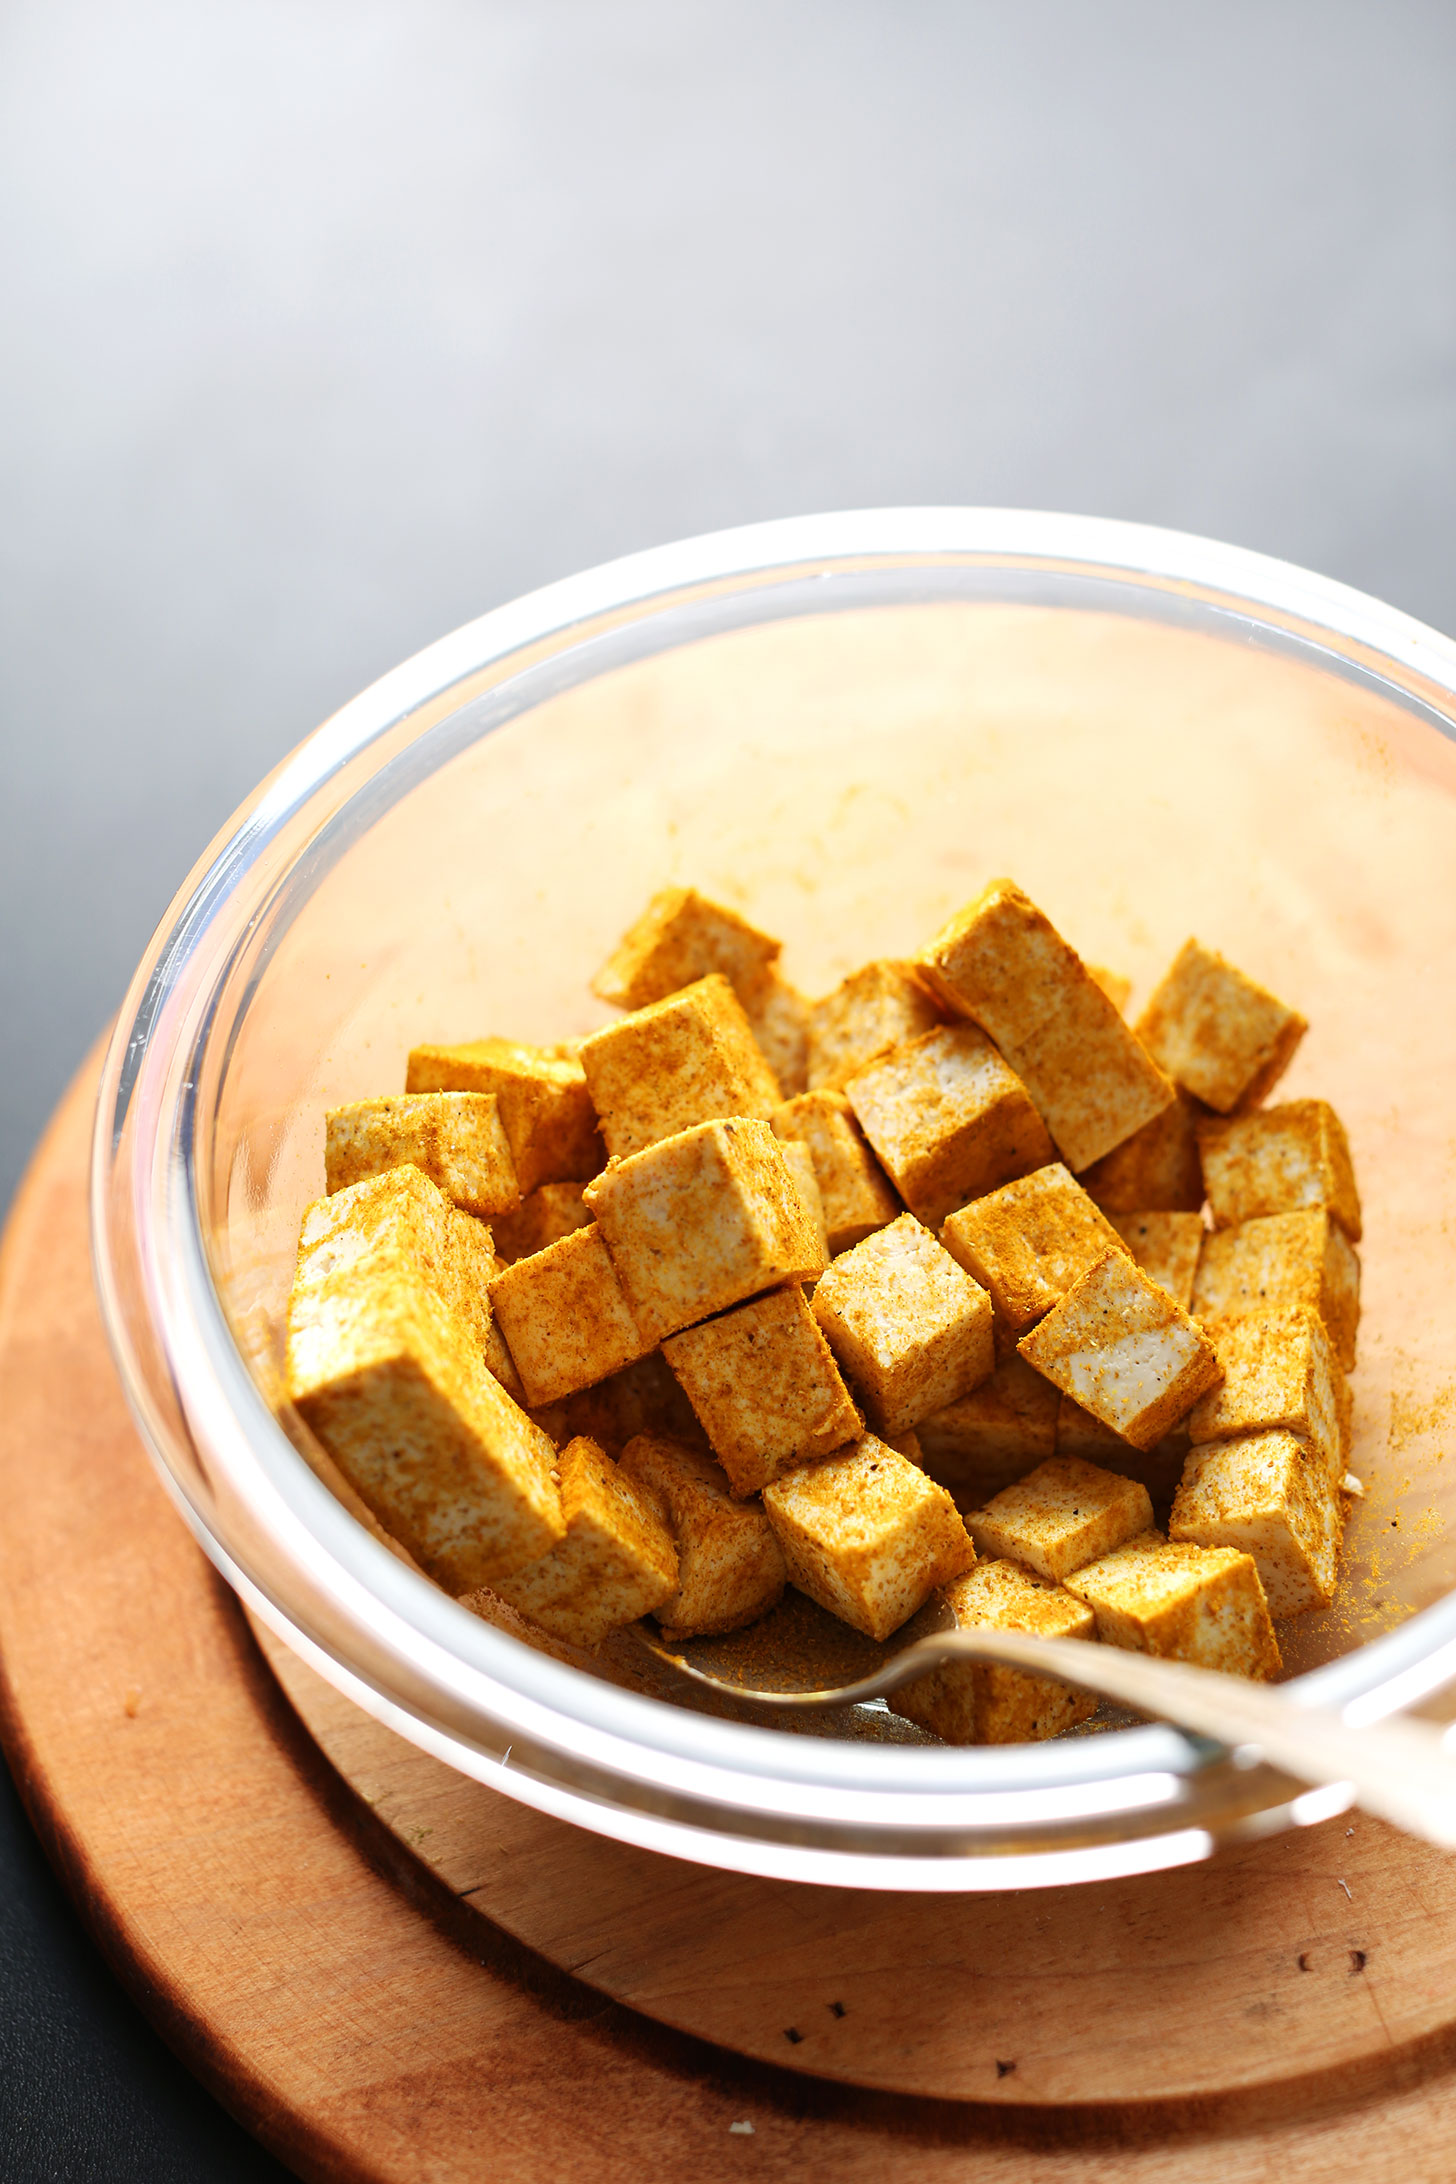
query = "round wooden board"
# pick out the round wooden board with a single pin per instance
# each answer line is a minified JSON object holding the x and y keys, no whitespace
{"x":370,"y":2018}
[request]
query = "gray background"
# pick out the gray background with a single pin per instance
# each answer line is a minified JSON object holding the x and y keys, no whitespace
{"x":329,"y":325}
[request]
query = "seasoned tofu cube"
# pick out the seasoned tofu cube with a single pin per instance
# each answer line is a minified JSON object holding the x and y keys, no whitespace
{"x":1156,"y":1170}
{"x":730,"y":1569}
{"x":1029,"y":1241}
{"x":1204,"y":1605}
{"x":680,"y":938}
{"x":997,"y":1433}
{"x":545,"y":1108}
{"x":565,"y":1318}
{"x":877,"y":1007}
{"x":1061,"y":1515}
{"x":1279,"y":1370}
{"x":1119,"y":1346}
{"x":703,"y":1221}
{"x":1271,"y":1497}
{"x":393,"y":1385}
{"x":1279,"y":1160}
{"x":1158,"y":1468}
{"x":948,"y":1119}
{"x":778,"y":1017}
{"x":909,"y":1326}
{"x":765,"y":1387}
{"x":467,"y":1268}
{"x":867,"y":1534}
{"x":616,"y":1563}
{"x":1113,"y":984}
{"x":980,"y":1702}
{"x":801,"y":1166}
{"x":544,"y":1218}
{"x":1001,"y":962}
{"x":674,"y":1063}
{"x":642,"y":1398}
{"x":1166,"y":1246}
{"x":853,"y":1189}
{"x":1281,"y":1260}
{"x":1217,"y":1032}
{"x":454,"y":1138}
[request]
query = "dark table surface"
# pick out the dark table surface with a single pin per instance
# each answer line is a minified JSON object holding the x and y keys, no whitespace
{"x":330,"y":325}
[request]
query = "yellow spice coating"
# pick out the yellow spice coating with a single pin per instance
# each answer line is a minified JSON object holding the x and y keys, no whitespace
{"x":765,"y":1387}
{"x":1270,"y":1496}
{"x":1156,"y":1170}
{"x":877,"y":1007}
{"x":617,"y":1561}
{"x":910,"y":1328}
{"x":1204,"y":1605}
{"x":681,"y":937}
{"x":980,"y":1702}
{"x":1027,"y":1243}
{"x":565,"y":1318}
{"x":1217,"y":1031}
{"x":1123,"y":1350}
{"x":1279,"y":1160}
{"x":545,"y":1108}
{"x":853,"y":1189}
{"x":1280,"y":1370}
{"x":687,"y":1059}
{"x":948,"y":1119}
{"x":730,"y":1568}
{"x":1063,"y":1514}
{"x":454,"y":1138}
{"x":1281,"y":1260}
{"x":1167,"y":1247}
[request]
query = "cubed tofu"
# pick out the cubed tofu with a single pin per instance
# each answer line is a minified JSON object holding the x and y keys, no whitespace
{"x":778,"y":1017}
{"x":616,"y":1563}
{"x":545,"y":1108}
{"x":1279,"y":1160}
{"x":1166,"y":1246}
{"x":1122,"y":1349}
{"x":393,"y":1385}
{"x":910,"y":1327}
{"x":948,"y":1119}
{"x":642,"y":1398}
{"x":675,"y":1063}
{"x":1279,"y":1370}
{"x":1061,"y":1515}
{"x":1156,"y":1170}
{"x":468,"y":1267}
{"x":565,"y":1318}
{"x":1158,"y":1468}
{"x":997,"y":1433}
{"x":1217,"y":1032}
{"x":1204,"y":1605}
{"x":703,"y":1221}
{"x":544,"y":1218}
{"x":730,"y":1568}
{"x":454,"y":1138}
{"x":765,"y":1387}
{"x":1029,"y":1241}
{"x":1272,"y":1498}
{"x":867,"y":1534}
{"x":1281,"y":1260}
{"x":980,"y":1702}
{"x":877,"y":1007}
{"x":1117,"y":988}
{"x":853,"y":1189}
{"x":1001,"y":962}
{"x":680,"y":938}
{"x":801,"y":1166}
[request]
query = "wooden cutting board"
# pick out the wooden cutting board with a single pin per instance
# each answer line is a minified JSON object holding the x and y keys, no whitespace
{"x":389,"y":1973}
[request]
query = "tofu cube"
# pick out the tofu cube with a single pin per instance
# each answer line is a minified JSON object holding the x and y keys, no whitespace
{"x":1029,"y":1241}
{"x":1271,"y":1497}
{"x":801,"y":1166}
{"x":393,"y":1385}
{"x":765,"y":1387}
{"x":997,"y":1433}
{"x":680,"y":938}
{"x":867,"y":1534}
{"x":730,"y":1569}
{"x":778,"y":1017}
{"x":454,"y":1138}
{"x":1167,"y":1247}
{"x":1001,"y":962}
{"x":565,"y":1318}
{"x":688,"y":1059}
{"x":1279,"y":1371}
{"x":1122,"y":1349}
{"x":1218,"y":1033}
{"x":1280,"y":1160}
{"x":642,"y":1398}
{"x":1204,"y":1605}
{"x":853,"y":1188}
{"x":467,"y":1268}
{"x":948,"y":1119}
{"x":545,"y":1108}
{"x":980,"y":1702}
{"x":877,"y":1007}
{"x":910,"y":1328}
{"x":703,"y":1221}
{"x":1281,"y":1260}
{"x":1061,"y":1515}
{"x":616,"y":1563}
{"x":1157,"y":1169}
{"x":544,"y":1218}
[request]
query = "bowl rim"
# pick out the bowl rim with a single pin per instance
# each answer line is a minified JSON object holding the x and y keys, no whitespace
{"x":719,"y":1791}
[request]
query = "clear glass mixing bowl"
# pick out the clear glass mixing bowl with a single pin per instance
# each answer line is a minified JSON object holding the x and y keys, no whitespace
{"x":843,"y":724}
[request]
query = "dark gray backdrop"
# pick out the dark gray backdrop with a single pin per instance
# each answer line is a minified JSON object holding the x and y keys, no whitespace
{"x":329,"y":323}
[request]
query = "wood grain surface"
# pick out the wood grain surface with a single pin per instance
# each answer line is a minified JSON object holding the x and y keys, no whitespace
{"x":368,"y":2022}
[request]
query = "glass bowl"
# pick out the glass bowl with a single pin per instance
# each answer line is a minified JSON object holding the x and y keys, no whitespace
{"x":844,"y":725}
